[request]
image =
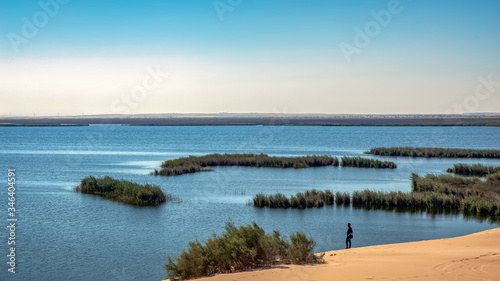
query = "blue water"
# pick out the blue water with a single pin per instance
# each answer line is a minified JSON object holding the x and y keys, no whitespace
{"x":64,"y":235}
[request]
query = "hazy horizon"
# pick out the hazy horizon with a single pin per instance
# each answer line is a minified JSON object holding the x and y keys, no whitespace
{"x":83,"y":114}
{"x":335,"y":57}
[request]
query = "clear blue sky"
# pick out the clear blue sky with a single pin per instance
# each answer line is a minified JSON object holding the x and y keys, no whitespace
{"x":261,"y":56}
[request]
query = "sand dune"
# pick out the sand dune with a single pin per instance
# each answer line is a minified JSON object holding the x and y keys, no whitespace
{"x":471,"y":257}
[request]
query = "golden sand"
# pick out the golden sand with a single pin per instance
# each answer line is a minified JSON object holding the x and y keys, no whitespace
{"x":471,"y":257}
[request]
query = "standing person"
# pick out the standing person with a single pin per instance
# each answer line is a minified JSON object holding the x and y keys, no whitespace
{"x":349,"y":237}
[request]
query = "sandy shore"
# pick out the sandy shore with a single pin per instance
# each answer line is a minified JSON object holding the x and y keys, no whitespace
{"x":471,"y":257}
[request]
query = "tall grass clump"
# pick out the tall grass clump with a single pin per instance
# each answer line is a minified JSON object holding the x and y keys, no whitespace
{"x":360,"y":162}
{"x":471,"y":196}
{"x":415,"y":200}
{"x":194,"y":164}
{"x":432,"y":193}
{"x":476,"y":170}
{"x":482,"y":207}
{"x":342,"y":198}
{"x":124,"y":191}
{"x":240,"y":248}
{"x":447,"y":184}
{"x":301,"y":200}
{"x":435,"y":152}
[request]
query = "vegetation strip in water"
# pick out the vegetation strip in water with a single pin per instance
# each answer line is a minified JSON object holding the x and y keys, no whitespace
{"x":302,"y":200}
{"x":124,"y":191}
{"x":432,"y":193}
{"x":360,"y":162}
{"x":241,"y":248}
{"x":434,"y":152}
{"x":194,"y":164}
{"x":476,"y":170}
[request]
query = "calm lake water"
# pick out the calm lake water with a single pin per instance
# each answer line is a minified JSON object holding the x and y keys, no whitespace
{"x":64,"y":235}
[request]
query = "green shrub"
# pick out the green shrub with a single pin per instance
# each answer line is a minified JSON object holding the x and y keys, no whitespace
{"x":300,"y":250}
{"x":240,"y":248}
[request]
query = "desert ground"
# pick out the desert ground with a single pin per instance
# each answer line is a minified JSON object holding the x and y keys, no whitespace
{"x":471,"y":257}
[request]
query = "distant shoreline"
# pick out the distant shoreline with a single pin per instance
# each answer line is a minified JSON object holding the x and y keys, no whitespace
{"x":254,"y":119}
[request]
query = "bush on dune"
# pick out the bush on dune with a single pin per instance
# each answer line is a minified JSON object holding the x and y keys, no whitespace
{"x":240,"y":248}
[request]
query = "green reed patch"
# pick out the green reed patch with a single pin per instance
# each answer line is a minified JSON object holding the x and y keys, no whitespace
{"x":432,"y":193}
{"x":476,"y":170}
{"x":360,"y":162}
{"x":435,"y":152}
{"x":194,"y":164}
{"x":302,"y":200}
{"x":342,"y":198}
{"x":123,"y":191}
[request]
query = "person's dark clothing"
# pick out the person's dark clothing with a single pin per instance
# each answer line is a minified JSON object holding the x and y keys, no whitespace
{"x":348,"y":239}
{"x":349,"y":231}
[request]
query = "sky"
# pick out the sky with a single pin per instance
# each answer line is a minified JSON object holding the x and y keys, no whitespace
{"x":74,"y":57}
